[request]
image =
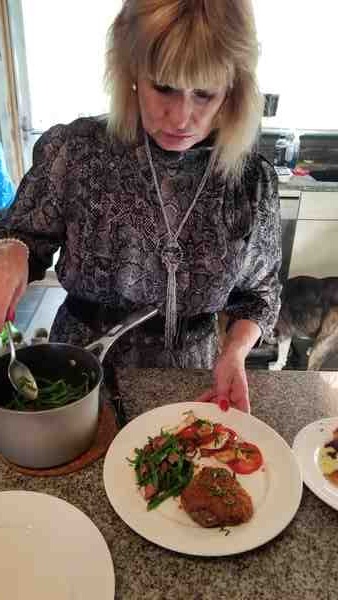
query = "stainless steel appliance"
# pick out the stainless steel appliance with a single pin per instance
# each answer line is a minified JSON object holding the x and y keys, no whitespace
{"x":289,"y":201}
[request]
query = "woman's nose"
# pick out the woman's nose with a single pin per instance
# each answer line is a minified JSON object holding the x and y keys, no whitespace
{"x":180,"y":112}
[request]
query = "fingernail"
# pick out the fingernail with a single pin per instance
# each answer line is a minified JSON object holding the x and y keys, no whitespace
{"x":223,"y":404}
{"x":11,"y":315}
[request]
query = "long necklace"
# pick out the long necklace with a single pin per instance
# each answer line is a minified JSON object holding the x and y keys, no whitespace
{"x":172,"y":253}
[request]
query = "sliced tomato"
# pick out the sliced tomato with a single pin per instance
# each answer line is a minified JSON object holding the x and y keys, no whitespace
{"x":206,"y":439}
{"x":202,"y":433}
{"x":220,"y":429}
{"x":196,"y":431}
{"x":205,"y":429}
{"x":231,"y":437}
{"x":249,"y":459}
{"x":189,"y":433}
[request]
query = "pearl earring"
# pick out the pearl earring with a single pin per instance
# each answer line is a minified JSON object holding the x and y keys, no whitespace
{"x":134,"y":87}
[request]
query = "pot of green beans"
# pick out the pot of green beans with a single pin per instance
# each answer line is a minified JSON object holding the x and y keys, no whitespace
{"x":61,"y":423}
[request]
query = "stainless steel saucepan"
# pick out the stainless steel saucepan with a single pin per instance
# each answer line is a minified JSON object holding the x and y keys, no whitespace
{"x":42,"y":439}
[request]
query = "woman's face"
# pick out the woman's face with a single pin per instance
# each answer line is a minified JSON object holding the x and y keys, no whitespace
{"x":177,"y":119}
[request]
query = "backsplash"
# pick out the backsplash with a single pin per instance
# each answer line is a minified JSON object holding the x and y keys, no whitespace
{"x":320,"y":148}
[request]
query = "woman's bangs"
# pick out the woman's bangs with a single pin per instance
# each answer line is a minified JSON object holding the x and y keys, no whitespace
{"x":182,"y":66}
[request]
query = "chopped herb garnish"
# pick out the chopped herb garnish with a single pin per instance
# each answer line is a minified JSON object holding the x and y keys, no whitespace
{"x":200,"y":422}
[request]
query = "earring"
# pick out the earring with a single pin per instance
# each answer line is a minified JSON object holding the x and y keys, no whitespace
{"x":134,"y":87}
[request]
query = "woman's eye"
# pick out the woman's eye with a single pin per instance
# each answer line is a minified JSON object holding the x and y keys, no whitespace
{"x":163,"y":89}
{"x":203,"y":95}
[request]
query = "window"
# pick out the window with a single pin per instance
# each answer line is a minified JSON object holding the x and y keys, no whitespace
{"x":65,"y":47}
{"x":298,"y":61}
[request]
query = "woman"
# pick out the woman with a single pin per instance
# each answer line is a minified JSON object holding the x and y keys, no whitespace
{"x":165,"y":203}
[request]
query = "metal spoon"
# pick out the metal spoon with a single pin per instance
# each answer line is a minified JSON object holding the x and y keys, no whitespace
{"x":19,"y":375}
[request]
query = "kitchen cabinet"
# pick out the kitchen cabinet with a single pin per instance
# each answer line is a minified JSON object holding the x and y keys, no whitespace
{"x":315,"y":245}
{"x":319,"y":206}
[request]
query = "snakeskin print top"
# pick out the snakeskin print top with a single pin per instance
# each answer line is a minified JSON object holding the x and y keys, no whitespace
{"x":94,"y":198}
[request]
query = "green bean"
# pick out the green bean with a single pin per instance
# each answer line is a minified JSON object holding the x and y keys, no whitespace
{"x":175,"y":490}
{"x":169,"y":482}
{"x":51,"y":394}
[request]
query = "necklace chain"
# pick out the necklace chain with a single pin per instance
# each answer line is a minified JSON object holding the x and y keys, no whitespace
{"x":172,"y":253}
{"x":175,"y":236}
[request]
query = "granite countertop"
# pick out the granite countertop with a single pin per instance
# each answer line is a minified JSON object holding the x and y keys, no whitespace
{"x":300,"y":564}
{"x":308,"y":184}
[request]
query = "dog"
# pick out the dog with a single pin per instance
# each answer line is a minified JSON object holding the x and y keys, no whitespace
{"x":309,"y":309}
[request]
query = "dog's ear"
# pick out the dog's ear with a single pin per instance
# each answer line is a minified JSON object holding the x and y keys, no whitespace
{"x":276,"y":332}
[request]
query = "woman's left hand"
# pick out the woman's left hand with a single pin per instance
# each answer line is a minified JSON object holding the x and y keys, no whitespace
{"x":231,"y":385}
{"x":230,"y":382}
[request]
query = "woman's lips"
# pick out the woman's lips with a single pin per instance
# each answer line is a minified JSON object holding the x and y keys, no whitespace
{"x":177,"y":136}
{"x":175,"y":141}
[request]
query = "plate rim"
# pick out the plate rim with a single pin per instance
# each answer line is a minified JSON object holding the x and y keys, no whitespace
{"x":182,"y":406}
{"x":295,"y":447}
{"x":68,"y":506}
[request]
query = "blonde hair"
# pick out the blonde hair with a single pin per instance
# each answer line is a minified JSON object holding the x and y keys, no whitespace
{"x":188,"y":44}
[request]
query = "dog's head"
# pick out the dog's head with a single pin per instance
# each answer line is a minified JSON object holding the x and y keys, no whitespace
{"x":279,"y":332}
{"x":271,"y":336}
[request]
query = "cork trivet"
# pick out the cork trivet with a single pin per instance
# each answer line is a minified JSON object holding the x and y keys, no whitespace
{"x":106,"y":431}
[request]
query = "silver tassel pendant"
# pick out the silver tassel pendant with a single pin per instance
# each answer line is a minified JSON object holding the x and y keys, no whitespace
{"x":172,"y":253}
{"x":171,"y":309}
{"x":171,"y":257}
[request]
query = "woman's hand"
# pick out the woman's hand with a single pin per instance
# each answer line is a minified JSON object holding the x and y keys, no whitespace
{"x":230,"y":382}
{"x":13,"y":278}
{"x":231,"y":386}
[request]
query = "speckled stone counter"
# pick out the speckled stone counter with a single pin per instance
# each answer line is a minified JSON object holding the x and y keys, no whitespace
{"x":308,"y":184}
{"x":300,"y":564}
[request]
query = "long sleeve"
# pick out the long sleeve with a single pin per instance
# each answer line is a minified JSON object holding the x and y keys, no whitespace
{"x":37,"y":214}
{"x":256,"y":294}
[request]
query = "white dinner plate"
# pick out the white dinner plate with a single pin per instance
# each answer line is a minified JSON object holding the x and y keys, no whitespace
{"x":306,"y":446}
{"x":275,"y":489}
{"x":50,"y":550}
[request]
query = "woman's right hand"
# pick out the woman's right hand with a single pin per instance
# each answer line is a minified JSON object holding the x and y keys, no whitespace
{"x":13,"y":278}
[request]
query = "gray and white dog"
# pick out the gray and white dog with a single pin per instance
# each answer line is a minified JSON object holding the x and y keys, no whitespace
{"x":309,"y":309}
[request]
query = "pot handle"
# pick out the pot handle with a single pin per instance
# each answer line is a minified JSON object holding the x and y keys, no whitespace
{"x":106,"y":342}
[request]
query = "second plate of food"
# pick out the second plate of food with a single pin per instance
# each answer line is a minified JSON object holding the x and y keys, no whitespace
{"x":275,"y":488}
{"x":309,"y":446}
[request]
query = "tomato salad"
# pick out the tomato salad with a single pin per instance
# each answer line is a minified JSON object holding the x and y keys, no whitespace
{"x":165,"y":465}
